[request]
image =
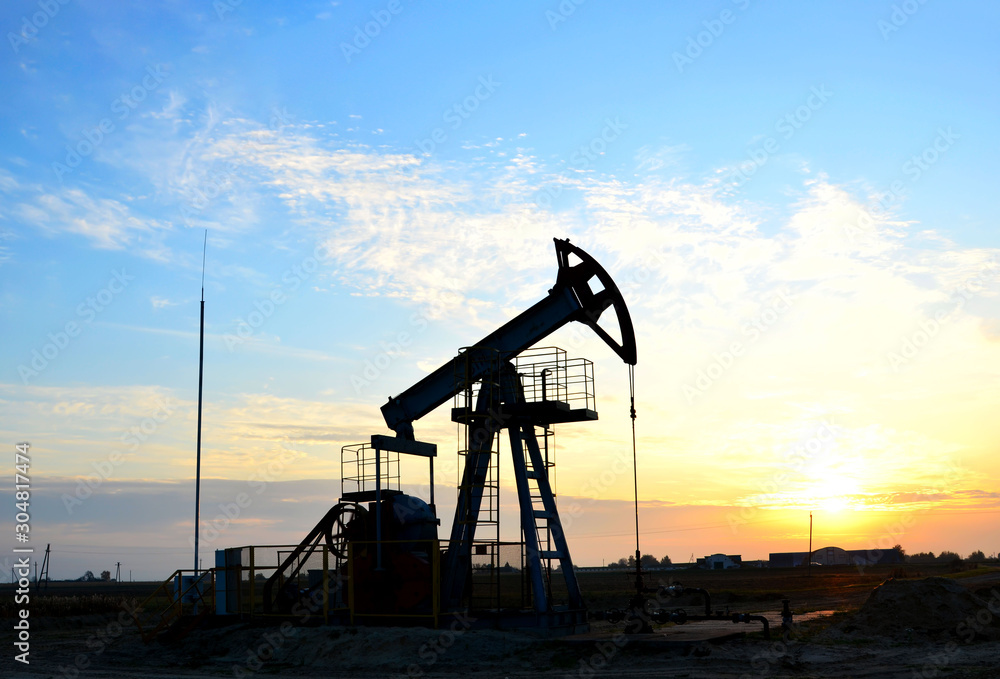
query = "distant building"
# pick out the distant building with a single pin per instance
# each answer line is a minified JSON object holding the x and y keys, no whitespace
{"x":835,"y":556}
{"x":718,"y":562}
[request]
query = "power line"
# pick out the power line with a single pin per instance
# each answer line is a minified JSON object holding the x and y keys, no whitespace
{"x":116,"y":550}
{"x":742,"y":523}
{"x":674,"y":530}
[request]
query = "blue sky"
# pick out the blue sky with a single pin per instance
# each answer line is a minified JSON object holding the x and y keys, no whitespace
{"x":390,"y":197}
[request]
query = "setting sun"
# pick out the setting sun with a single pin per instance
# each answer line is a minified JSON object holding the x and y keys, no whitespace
{"x":834,"y":493}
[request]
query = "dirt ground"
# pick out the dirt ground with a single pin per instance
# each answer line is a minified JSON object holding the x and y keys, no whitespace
{"x":929,"y":627}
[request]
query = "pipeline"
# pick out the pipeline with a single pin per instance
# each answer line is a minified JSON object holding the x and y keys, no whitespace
{"x":679,"y":590}
{"x":679,"y":616}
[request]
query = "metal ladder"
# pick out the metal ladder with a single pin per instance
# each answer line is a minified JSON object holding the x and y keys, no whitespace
{"x":544,"y":538}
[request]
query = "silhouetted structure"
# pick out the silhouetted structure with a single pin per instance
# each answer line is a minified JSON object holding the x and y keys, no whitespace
{"x":718,"y":562}
{"x":835,"y":556}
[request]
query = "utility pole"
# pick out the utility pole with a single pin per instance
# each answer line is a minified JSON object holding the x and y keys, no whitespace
{"x":810,"y":557}
{"x":43,"y":578}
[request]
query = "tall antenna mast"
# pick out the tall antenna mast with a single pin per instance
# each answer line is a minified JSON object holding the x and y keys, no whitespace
{"x":201,"y":370}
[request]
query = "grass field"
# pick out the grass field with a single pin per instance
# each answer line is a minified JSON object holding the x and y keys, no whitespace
{"x":753,"y":589}
{"x":78,"y":625}
{"x":746,"y":590}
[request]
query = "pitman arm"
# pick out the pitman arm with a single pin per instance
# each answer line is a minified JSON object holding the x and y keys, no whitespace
{"x":571,"y":299}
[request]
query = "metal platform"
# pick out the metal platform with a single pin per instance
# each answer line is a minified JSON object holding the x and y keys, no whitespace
{"x":368,"y":495}
{"x":539,"y":413}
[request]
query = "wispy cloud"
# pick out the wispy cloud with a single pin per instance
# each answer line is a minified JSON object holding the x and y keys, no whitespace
{"x":106,"y":222}
{"x":465,"y":242}
{"x":161,"y":302}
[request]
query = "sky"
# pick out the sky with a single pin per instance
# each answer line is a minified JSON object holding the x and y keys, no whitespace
{"x":797,"y":201}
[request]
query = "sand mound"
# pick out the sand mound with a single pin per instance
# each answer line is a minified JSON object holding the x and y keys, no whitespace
{"x":900,"y":609}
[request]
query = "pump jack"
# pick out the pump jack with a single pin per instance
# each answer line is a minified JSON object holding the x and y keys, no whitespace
{"x":583,"y":292}
{"x":571,"y":299}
